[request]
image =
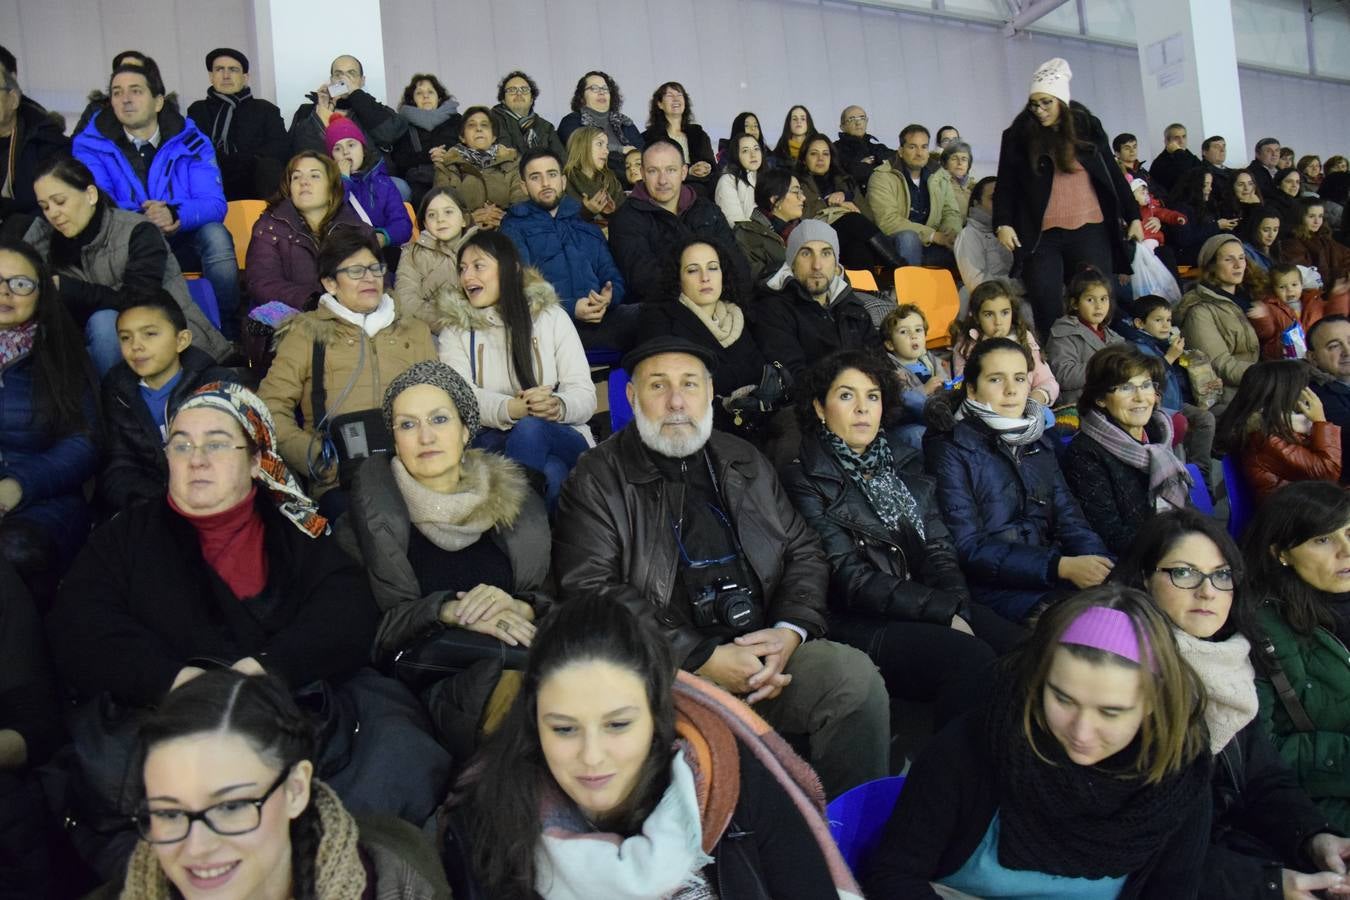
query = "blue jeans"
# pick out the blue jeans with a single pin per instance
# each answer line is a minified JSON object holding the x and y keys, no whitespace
{"x":210,"y":250}
{"x":100,"y":339}
{"x":550,"y":448}
{"x":911,"y":249}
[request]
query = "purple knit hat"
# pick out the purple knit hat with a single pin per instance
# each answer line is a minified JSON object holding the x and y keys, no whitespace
{"x":340,"y":128}
{"x":1103,"y":628}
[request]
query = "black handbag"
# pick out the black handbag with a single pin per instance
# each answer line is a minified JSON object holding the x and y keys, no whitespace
{"x":353,"y":437}
{"x":450,"y":651}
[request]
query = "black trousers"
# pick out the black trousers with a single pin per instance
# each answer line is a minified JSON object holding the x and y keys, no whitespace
{"x":1058,"y":255}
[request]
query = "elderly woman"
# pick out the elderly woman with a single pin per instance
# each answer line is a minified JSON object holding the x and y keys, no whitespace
{"x":596,"y":102}
{"x":518,"y":125}
{"x":456,"y":545}
{"x":896,"y":588}
{"x":332,"y":365}
{"x":282,"y":258}
{"x":1212,"y":315}
{"x":955,"y":170}
{"x":671,"y":116}
{"x":779,"y":204}
{"x":100,"y":254}
{"x":589,"y":177}
{"x":432,"y":114}
{"x":430,"y":264}
{"x":1120,"y":465}
{"x":483,"y":173}
{"x":235,"y":567}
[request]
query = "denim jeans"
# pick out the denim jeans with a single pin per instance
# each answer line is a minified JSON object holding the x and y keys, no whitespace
{"x":911,"y":249}
{"x":100,"y":339}
{"x":550,"y":448}
{"x":210,"y":250}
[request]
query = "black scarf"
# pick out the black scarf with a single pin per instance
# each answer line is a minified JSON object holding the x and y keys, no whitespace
{"x":873,"y":471}
{"x":1061,"y":818}
{"x":219,"y":132}
{"x":65,"y":252}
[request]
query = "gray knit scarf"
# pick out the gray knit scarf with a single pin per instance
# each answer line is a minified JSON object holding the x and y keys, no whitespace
{"x":221,"y":138}
{"x":616,"y":121}
{"x":873,"y":471}
{"x":1168,"y":479}
{"x":429,"y":119}
{"x":480,"y":158}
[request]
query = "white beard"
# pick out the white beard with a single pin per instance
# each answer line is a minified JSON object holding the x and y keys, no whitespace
{"x":676,"y":446}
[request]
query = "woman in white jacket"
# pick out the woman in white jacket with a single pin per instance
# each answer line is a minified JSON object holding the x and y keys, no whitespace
{"x":735,"y":193}
{"x":505,"y":332}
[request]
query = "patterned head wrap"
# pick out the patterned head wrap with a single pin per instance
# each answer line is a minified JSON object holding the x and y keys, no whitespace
{"x":437,"y":374}
{"x":246,"y":408}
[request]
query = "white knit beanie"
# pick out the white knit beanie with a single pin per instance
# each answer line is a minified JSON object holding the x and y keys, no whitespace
{"x":1052,"y":78}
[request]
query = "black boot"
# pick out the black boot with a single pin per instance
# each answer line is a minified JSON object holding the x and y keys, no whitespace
{"x":884,"y":250}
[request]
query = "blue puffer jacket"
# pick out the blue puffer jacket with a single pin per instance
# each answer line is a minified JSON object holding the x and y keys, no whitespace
{"x":571,"y":253}
{"x":379,"y":197}
{"x":1011,"y":515}
{"x":183,"y":172}
{"x":50,"y":473}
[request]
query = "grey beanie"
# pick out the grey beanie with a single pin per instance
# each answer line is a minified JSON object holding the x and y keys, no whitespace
{"x":440,"y":375}
{"x":1210,"y":248}
{"x":811,"y":230}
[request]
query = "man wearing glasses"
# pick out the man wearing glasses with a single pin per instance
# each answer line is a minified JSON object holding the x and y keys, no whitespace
{"x":859,"y":152}
{"x":516,"y":123}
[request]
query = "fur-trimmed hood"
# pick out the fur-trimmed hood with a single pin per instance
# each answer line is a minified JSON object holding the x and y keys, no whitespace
{"x":505,"y":486}
{"x":453,"y":309}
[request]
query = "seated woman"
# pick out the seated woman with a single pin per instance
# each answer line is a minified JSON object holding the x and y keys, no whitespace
{"x":705,"y":311}
{"x":1084,"y":774}
{"x":735,"y":193}
{"x":1120,"y":465}
{"x":1295,"y":550}
{"x":430,"y":264}
{"x":779,"y":204}
{"x":1246,"y":196}
{"x":432,"y":114}
{"x":1212,"y":315}
{"x":598,"y":103}
{"x":483,"y":173}
{"x":832,"y":196}
{"x":1261,"y":239}
{"x":453,"y":540}
{"x":369,"y":188}
{"x":671,"y":116}
{"x":231,"y":754}
{"x":1278,"y":429}
{"x":518,"y":126}
{"x":1084,"y":329}
{"x":995,"y":310}
{"x":589,"y":177}
{"x":1266,"y":831}
{"x":614,"y":777}
{"x":1019,"y":533}
{"x":1195,"y":198}
{"x":99,"y":254}
{"x":1311,"y":244}
{"x":797,"y":124}
{"x":744,"y":123}
{"x":954,"y":168}
{"x":335,"y":361}
{"x":283,"y":252}
{"x":1285,"y":200}
{"x":896,"y":589}
{"x":505,"y":332}
{"x":48,"y":424}
{"x":235,"y":566}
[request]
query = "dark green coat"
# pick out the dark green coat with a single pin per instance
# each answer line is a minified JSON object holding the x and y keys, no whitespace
{"x":761,"y":245}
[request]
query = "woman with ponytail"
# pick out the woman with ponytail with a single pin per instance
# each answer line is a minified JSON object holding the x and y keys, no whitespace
{"x":232,"y":808}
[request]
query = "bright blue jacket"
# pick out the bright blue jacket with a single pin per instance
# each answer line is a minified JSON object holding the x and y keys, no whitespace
{"x":183,"y":172}
{"x":379,"y":197}
{"x":570,"y":253}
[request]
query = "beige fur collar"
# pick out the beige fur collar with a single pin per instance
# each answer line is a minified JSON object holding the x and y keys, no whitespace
{"x":452,"y":309}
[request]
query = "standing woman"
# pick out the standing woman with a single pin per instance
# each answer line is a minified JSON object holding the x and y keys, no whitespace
{"x":735,"y":193}
{"x":505,"y":332}
{"x":1084,"y":774}
{"x":671,"y":116}
{"x":1061,"y":196}
{"x":797,"y":124}
{"x":589,"y":177}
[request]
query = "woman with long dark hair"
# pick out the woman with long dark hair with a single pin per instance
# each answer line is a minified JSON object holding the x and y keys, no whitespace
{"x":671,"y":116}
{"x":797,"y":124}
{"x":832,"y":196}
{"x":745,"y":123}
{"x":595,"y":783}
{"x":779,"y":205}
{"x":735,"y":192}
{"x":1310,"y":244}
{"x":1061,"y":197}
{"x":505,"y":332}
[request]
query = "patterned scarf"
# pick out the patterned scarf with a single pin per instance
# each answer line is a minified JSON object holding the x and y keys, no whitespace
{"x":1225,"y":668}
{"x":481,"y":158}
{"x":526,"y":123}
{"x":339,"y":873}
{"x":724,"y":320}
{"x":613,"y":121}
{"x":247,"y":408}
{"x":1013,"y":432}
{"x":1168,"y":479}
{"x":219,"y":132}
{"x":17,"y":342}
{"x":873,"y":471}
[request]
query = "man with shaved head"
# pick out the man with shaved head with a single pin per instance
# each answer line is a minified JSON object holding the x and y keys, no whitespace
{"x":344,"y":92}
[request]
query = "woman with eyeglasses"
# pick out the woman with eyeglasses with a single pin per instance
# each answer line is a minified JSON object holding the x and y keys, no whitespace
{"x":1267,"y":835}
{"x":361,"y":341}
{"x":597,"y":102}
{"x":1120,"y":465}
{"x":232,"y":807}
{"x":1061,"y":197}
{"x":1278,"y":428}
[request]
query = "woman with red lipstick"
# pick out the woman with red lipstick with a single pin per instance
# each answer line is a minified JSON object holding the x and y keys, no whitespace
{"x":1266,"y":831}
{"x":614,"y":777}
{"x":1083,"y":774}
{"x":233,"y":808}
{"x":1298,"y":551}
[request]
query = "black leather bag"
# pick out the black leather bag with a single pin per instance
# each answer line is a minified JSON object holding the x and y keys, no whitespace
{"x":450,"y":651}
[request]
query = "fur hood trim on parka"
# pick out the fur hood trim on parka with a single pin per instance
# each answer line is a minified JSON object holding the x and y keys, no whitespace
{"x":454,"y":311}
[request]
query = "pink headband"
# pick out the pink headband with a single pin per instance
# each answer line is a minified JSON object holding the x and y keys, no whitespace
{"x":1106,"y":629}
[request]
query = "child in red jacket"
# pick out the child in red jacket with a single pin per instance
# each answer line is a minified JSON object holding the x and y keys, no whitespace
{"x":1291,"y":303}
{"x":1150,"y":208}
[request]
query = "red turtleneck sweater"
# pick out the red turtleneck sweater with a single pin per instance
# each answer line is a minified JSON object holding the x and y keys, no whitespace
{"x":232,"y":544}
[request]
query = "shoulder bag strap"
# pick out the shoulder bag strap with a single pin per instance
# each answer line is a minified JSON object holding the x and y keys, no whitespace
{"x":318,"y":395}
{"x":1297,"y":714}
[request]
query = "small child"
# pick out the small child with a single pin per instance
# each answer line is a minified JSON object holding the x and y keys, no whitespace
{"x":995,"y":311}
{"x":1291,"y":306}
{"x":921,"y":374}
{"x":1150,"y":208}
{"x":1081,"y":332}
{"x":370,"y":189}
{"x":160,"y":368}
{"x":632,"y":168}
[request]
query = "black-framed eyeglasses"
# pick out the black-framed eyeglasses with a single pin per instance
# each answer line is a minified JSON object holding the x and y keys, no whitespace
{"x":356,"y":273}
{"x":228,"y":818}
{"x":19,"y":285}
{"x":1189,"y":577}
{"x":518,"y":90}
{"x":1043,"y":105}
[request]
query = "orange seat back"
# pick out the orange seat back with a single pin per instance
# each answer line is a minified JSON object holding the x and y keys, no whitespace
{"x":861,"y":279}
{"x":240,"y":217}
{"x":412,"y":214}
{"x":934,"y":292}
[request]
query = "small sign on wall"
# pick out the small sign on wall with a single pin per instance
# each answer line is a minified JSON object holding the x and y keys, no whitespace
{"x":1164,"y":59}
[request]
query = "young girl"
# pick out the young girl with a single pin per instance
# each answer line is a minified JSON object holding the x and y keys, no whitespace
{"x":1311,"y":244}
{"x":905,"y":332}
{"x":996,"y":311}
{"x":428,"y":265}
{"x":369,"y":187}
{"x":1278,"y":427}
{"x":1282,"y":318}
{"x":735,"y":193}
{"x":1080,"y":332}
{"x":1084,"y":774}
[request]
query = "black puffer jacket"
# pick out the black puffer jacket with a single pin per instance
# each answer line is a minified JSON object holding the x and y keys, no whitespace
{"x":39,"y":139}
{"x":878,"y":574}
{"x":854,"y":150}
{"x":793,"y":329}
